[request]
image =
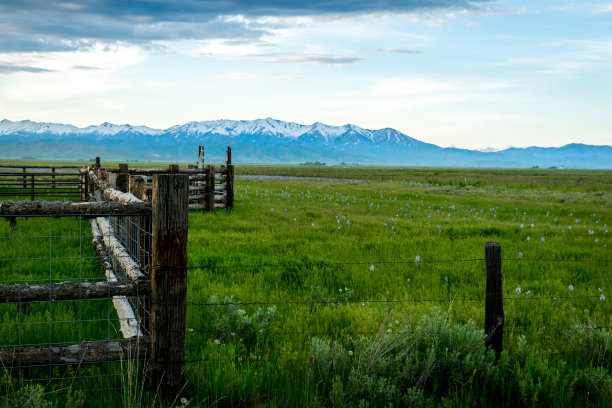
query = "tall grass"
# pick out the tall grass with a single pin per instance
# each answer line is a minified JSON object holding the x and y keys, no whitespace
{"x":323,"y":244}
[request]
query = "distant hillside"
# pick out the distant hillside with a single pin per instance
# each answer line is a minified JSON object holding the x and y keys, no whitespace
{"x":273,"y":141}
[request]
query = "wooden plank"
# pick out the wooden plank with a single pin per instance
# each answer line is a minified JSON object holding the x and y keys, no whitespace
{"x":494,"y":298}
{"x":81,"y":353}
{"x":68,"y":209}
{"x":170,"y":222}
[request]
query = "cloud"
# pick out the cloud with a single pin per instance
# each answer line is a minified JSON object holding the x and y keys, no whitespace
{"x":247,"y":76}
{"x":58,"y":25}
{"x":602,"y":9}
{"x":10,"y":69}
{"x":317,"y":59}
{"x":57,"y":75}
{"x":398,"y":51}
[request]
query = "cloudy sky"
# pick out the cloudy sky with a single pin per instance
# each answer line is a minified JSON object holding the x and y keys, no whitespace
{"x":468,"y":73}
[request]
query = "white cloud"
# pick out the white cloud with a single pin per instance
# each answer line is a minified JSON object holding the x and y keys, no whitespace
{"x":602,"y":9}
{"x":65,"y":76}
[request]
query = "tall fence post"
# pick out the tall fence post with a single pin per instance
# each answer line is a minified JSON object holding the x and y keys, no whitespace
{"x":32,"y":188}
{"x":53,"y":177}
{"x":170,"y":218}
{"x":200,"y":157}
{"x":229,"y":179}
{"x":210,"y":188}
{"x":494,"y":300}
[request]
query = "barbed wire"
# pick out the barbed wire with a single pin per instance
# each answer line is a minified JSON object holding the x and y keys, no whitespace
{"x":365,"y":301}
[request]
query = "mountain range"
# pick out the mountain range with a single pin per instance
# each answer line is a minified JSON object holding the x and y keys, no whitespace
{"x":273,"y":141}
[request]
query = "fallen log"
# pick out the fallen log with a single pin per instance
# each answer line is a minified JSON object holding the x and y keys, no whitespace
{"x":127,"y":318}
{"x":121,"y":255}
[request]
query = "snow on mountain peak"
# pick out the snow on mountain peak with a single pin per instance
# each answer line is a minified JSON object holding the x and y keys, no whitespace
{"x":222,"y":127}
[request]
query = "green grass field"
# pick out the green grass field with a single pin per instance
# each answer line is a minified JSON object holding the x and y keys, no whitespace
{"x":323,"y":263}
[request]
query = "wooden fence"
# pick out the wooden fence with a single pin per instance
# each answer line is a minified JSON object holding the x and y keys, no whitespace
{"x":36,"y":182}
{"x":148,"y":290}
{"x":210,"y":187}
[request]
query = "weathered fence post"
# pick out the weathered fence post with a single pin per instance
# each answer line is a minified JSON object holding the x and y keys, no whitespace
{"x":228,"y":156}
{"x":173,"y":169}
{"x":25,"y":182}
{"x":200,"y":157}
{"x":210,"y":188}
{"x":98,"y":162}
{"x":53,"y":177}
{"x":123,"y":178}
{"x":494,"y":300}
{"x":170,"y":217}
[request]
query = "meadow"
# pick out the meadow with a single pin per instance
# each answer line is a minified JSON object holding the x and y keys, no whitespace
{"x":371,"y":293}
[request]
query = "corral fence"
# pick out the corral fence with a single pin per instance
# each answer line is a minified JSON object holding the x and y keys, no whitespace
{"x":142,"y":247}
{"x":210,"y":187}
{"x":36,"y":182}
{"x":139,"y":227}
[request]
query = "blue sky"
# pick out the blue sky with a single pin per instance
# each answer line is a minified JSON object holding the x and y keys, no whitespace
{"x":472,"y":74}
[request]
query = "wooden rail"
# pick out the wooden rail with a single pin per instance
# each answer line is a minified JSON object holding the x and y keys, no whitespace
{"x":81,"y":353}
{"x":41,"y":181}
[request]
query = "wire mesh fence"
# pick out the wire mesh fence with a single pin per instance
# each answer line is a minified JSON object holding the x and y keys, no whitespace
{"x":40,"y":253}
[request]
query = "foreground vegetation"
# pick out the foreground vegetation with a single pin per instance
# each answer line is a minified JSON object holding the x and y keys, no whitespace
{"x":323,"y":262}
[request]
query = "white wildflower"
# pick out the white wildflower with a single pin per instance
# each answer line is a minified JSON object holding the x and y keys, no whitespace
{"x":371,"y":267}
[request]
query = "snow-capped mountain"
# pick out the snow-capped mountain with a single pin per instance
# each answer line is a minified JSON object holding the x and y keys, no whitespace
{"x":271,"y":141}
{"x":27,"y":127}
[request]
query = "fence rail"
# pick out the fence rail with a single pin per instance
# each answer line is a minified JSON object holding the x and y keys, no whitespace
{"x":210,"y":187}
{"x":41,"y":182}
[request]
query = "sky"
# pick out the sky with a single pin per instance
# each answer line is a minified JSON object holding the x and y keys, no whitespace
{"x":471,"y":74}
